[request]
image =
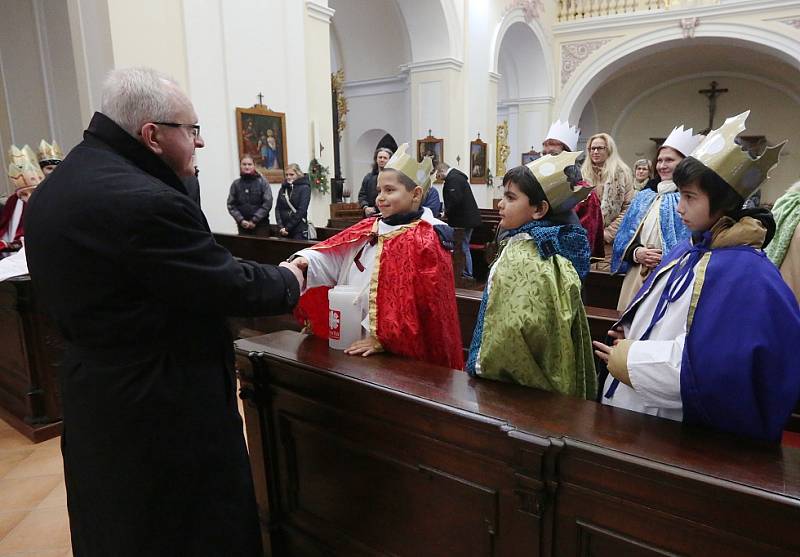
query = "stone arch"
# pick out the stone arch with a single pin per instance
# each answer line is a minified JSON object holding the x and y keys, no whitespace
{"x":513,"y":27}
{"x":434,"y":28}
{"x":610,"y":60}
{"x":521,"y":58}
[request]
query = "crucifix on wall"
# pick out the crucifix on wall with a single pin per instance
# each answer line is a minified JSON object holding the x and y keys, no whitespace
{"x":712,"y":95}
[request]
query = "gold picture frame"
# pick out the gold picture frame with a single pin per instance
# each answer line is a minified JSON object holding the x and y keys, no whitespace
{"x":432,"y":146}
{"x":478,"y":159}
{"x":261,"y":133}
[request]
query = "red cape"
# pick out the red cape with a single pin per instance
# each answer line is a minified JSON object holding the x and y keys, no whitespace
{"x":591,"y":218}
{"x":412,"y":294}
{"x":5,"y":219}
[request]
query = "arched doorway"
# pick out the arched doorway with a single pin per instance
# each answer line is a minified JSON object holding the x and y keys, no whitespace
{"x":524,"y":88}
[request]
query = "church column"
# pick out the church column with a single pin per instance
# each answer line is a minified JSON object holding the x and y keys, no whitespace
{"x":533,"y":121}
{"x":438,"y":105}
{"x":318,"y":96}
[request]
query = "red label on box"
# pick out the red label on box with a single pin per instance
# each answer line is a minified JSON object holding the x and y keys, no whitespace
{"x":334,"y":324}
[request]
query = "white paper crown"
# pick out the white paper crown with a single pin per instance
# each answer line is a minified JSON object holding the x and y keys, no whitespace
{"x":682,"y":140}
{"x":563,"y":132}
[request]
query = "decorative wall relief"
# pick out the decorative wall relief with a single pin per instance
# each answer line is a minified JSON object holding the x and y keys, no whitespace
{"x":792,"y":22}
{"x":531,"y":9}
{"x":575,"y":53}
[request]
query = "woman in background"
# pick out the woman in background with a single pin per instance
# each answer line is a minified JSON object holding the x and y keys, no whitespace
{"x":605,"y":170}
{"x":291,"y":209}
{"x":642,"y":174}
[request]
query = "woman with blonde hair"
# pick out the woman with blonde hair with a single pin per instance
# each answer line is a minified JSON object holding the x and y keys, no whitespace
{"x":642,"y":173}
{"x":607,"y":172}
{"x":291,"y":209}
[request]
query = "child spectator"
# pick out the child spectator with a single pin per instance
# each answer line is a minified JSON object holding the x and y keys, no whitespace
{"x":250,"y":200}
{"x":532,"y":327}
{"x":402,"y":262}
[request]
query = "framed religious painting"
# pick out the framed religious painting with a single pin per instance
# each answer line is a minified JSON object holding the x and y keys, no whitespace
{"x":530,"y":156}
{"x":433,"y":147}
{"x":478,"y":156}
{"x":261,"y":133}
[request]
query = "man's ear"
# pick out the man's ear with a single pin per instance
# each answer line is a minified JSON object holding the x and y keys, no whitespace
{"x":540,"y":210}
{"x":151,"y":138}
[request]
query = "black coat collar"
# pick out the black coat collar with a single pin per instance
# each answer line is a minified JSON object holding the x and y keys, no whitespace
{"x":103,"y":128}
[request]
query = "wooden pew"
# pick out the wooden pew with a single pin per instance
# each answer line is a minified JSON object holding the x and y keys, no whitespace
{"x":31,"y":351}
{"x":379,"y":456}
{"x":468,"y":303}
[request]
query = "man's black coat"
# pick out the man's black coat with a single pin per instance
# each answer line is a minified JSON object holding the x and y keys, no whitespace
{"x":459,"y":203}
{"x":154,"y":455}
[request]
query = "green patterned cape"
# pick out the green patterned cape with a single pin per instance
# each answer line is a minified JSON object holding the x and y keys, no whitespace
{"x":534,"y":330}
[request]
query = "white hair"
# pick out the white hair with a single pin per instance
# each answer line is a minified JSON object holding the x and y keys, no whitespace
{"x":134,"y":96}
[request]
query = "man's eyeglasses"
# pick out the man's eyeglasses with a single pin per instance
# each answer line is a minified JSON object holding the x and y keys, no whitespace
{"x":195,"y":128}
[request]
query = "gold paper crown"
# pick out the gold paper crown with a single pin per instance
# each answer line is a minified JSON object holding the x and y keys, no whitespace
{"x":49,"y":152}
{"x":15,"y":175}
{"x":549,"y":171}
{"x":419,"y":172}
{"x":720,"y":152}
{"x":23,"y":161}
{"x":16,"y":155}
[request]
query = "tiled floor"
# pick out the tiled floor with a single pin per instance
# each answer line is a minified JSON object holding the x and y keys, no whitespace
{"x":33,"y":502}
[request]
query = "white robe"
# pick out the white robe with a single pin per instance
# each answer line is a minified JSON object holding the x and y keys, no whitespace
{"x":654,"y":365}
{"x":336,"y":266}
{"x":11,"y":231}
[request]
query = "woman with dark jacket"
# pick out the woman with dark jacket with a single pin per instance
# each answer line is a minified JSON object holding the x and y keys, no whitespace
{"x":369,"y":185}
{"x":291,"y":209}
{"x":250,"y":200}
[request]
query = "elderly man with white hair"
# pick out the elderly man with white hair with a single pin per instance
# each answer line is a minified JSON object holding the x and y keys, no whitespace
{"x":154,"y":456}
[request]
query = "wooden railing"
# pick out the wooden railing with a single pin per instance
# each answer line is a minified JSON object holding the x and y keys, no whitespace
{"x":571,"y":10}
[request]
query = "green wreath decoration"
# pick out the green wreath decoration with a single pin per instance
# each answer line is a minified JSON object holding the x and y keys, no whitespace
{"x":318,"y":176}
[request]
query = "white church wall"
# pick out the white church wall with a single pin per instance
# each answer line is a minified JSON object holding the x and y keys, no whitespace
{"x":230,"y":59}
{"x":131,"y":22}
{"x":62,"y":80}
{"x":23,"y":80}
{"x":370,"y":117}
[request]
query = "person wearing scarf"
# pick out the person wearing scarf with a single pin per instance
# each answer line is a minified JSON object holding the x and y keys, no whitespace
{"x":784,"y":250}
{"x":711,"y":337}
{"x":651,"y":226}
{"x":402,"y":263}
{"x":532,"y":327}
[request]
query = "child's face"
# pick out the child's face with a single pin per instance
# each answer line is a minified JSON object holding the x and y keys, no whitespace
{"x":246,"y":166}
{"x":516,"y":209}
{"x":694,"y":208}
{"x":393,"y":197}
